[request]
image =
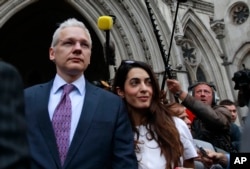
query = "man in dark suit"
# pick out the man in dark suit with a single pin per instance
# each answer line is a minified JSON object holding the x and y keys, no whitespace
{"x":100,"y":134}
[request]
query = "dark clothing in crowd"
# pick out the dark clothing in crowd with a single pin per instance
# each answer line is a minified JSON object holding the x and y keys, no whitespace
{"x":13,"y":141}
{"x":235,"y":135}
{"x":211,"y":124}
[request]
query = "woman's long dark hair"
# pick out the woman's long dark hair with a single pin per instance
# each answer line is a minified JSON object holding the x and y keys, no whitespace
{"x":158,"y":120}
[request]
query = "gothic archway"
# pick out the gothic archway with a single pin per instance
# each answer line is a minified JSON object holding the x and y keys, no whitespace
{"x":26,"y":37}
{"x":29,"y":24}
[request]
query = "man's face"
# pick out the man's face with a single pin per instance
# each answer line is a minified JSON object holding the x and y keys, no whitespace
{"x":233,"y":111}
{"x":72,"y":52}
{"x":204,"y":93}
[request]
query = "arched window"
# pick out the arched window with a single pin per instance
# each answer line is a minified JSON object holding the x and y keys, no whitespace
{"x":200,"y":75}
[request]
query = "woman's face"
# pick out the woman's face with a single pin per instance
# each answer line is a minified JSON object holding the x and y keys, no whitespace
{"x":137,"y":89}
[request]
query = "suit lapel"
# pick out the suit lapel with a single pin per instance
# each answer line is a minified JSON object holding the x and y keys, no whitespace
{"x":86,"y":117}
{"x":45,"y":122}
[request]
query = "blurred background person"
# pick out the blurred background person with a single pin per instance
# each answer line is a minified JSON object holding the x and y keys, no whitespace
{"x":242,"y":83}
{"x":235,"y":132}
{"x":13,"y":141}
{"x":212,"y":122}
{"x":231,"y":106}
{"x":180,"y":111}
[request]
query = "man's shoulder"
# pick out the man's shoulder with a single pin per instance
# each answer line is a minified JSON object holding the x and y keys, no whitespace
{"x":100,"y":91}
{"x":219,"y":107}
{"x":222,"y":109}
{"x":37,"y":87}
{"x":234,"y":127}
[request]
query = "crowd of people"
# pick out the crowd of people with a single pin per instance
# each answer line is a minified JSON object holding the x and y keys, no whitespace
{"x":69,"y":122}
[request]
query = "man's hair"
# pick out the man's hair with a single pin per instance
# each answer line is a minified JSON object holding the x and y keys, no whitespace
{"x":71,"y":22}
{"x":227,"y":102}
{"x":210,"y":84}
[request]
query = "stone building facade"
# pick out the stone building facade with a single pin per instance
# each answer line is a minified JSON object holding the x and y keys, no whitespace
{"x":211,"y":38}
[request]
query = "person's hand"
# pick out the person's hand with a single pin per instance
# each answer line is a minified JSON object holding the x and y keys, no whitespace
{"x":212,"y":157}
{"x":205,"y":159}
{"x":173,"y":85}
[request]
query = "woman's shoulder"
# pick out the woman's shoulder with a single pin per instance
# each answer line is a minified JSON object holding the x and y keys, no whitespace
{"x":181,"y":125}
{"x":178,"y":121}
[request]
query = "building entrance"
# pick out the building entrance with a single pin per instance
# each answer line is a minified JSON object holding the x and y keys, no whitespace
{"x":26,"y":37}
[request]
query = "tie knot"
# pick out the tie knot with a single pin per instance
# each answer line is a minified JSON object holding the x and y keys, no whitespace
{"x":68,"y":88}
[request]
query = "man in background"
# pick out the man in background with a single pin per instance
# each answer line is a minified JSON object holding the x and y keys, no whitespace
{"x":235,"y":132}
{"x":212,"y":122}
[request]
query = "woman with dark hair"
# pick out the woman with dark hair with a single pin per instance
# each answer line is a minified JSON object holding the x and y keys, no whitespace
{"x":13,"y":142}
{"x":160,"y":139}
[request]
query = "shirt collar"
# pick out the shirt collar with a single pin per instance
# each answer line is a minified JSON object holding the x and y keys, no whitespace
{"x":59,"y":82}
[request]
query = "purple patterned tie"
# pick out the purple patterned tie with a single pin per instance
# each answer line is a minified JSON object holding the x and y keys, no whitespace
{"x":61,"y":122}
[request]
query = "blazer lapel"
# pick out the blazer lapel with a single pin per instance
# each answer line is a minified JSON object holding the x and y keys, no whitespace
{"x":85,"y":120}
{"x":45,"y":122}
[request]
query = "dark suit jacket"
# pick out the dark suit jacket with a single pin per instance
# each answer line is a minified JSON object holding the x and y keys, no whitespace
{"x":212,"y":124}
{"x":14,"y":152}
{"x":235,"y":134}
{"x":103,"y":138}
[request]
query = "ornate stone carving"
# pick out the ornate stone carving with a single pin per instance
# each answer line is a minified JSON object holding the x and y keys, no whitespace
{"x":218,"y":26}
{"x":240,"y":13}
{"x":189,"y":52}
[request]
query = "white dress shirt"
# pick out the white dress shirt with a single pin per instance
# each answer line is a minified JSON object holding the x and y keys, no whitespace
{"x":76,"y":96}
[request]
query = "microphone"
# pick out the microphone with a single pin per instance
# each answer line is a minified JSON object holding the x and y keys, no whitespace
{"x":105,"y":22}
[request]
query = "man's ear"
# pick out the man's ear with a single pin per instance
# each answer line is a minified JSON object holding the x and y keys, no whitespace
{"x":120,"y":92}
{"x":51,"y":54}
